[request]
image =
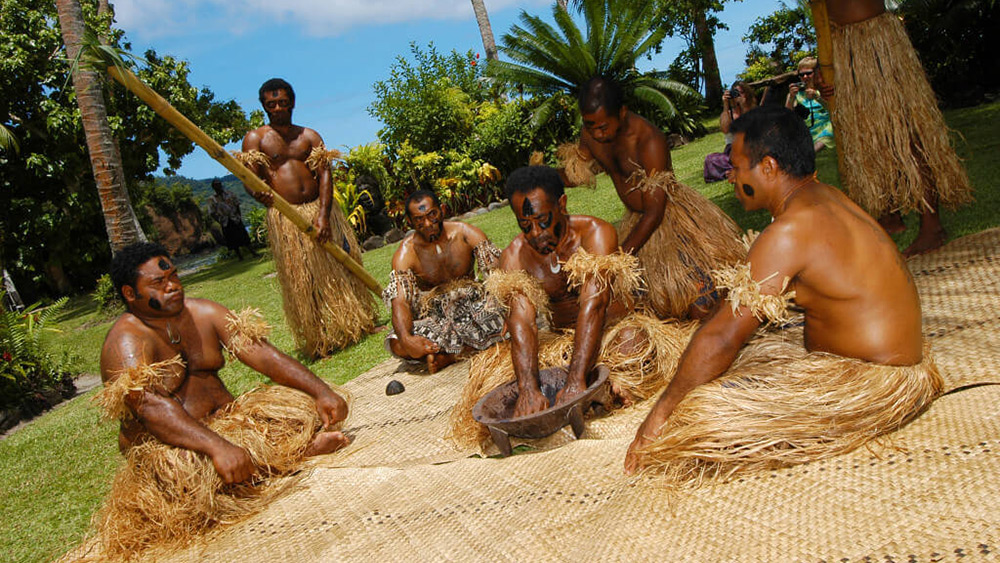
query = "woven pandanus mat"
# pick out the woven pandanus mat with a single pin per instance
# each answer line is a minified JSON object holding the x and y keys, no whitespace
{"x":960,"y":294}
{"x":935,"y":500}
{"x":390,"y":494}
{"x":402,"y":429}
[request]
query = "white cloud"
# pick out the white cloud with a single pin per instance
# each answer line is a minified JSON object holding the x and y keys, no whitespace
{"x":153,"y":18}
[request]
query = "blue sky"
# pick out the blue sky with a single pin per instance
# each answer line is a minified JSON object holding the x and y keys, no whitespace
{"x":332,"y":51}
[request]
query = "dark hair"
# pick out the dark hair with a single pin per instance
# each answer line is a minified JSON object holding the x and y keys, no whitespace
{"x":600,"y":92}
{"x":527,"y":178}
{"x":273,"y":85}
{"x":777,"y":132}
{"x":419,"y":195}
{"x":748,"y":92}
{"x":126,"y":262}
{"x":216,"y":182}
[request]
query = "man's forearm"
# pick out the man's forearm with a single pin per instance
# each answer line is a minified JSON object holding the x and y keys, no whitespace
{"x":524,"y":349}
{"x":283,"y":370}
{"x":402,"y":317}
{"x":641,"y":233}
{"x":705,"y":359}
{"x":587,"y":339}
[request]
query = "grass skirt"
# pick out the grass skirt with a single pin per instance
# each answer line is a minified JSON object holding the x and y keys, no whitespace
{"x":164,"y":496}
{"x":641,"y":352}
{"x":891,"y":134}
{"x":326,"y":306}
{"x":781,"y":405}
{"x":694,"y":238}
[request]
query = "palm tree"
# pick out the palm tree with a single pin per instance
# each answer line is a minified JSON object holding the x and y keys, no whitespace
{"x":483,"y":19}
{"x":554,"y":63}
{"x":119,"y":217}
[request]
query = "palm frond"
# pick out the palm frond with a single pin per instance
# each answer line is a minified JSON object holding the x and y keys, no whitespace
{"x":7,"y":140}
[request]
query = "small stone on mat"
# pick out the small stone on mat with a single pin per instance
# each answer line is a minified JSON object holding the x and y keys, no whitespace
{"x":394,"y":388}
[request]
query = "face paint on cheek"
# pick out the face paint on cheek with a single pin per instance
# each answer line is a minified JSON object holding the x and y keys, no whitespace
{"x":558,"y":230}
{"x":163,"y":264}
{"x":154,"y":304}
{"x":748,"y":189}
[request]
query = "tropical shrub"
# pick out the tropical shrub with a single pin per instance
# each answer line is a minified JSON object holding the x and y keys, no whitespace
{"x":31,"y":378}
{"x":256,"y":219}
{"x":109,"y":304}
{"x":427,"y":102}
{"x":349,"y":198}
{"x":502,"y":135}
{"x":954,"y":39}
{"x":371,"y":160}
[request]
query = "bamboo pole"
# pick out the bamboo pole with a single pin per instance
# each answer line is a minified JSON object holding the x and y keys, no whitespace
{"x":824,"y":50}
{"x":249,"y":179}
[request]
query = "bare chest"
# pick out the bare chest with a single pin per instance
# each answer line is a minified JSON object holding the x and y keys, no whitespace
{"x":280,"y":150}
{"x":442,"y":263}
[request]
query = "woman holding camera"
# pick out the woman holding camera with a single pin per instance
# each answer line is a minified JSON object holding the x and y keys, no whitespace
{"x":735,"y":102}
{"x":805,"y":95}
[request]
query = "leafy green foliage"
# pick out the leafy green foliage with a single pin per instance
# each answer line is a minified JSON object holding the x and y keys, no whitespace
{"x":955,"y":42}
{"x":27,"y":370}
{"x":257,"y":222}
{"x":108,"y":303}
{"x":426,"y":101}
{"x":53,"y":236}
{"x":371,"y":160}
{"x":349,"y":198}
{"x":777,"y":41}
{"x":552,"y":61}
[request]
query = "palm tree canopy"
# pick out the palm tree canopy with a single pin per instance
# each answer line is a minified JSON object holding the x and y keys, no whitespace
{"x":549,"y":60}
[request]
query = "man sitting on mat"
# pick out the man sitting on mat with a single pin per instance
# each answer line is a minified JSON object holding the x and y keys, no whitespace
{"x":572,"y":267}
{"x":194,"y":454}
{"x":438,"y":309}
{"x":863,"y":369}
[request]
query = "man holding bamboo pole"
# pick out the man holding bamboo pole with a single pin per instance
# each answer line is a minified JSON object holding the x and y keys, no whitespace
{"x":326,"y":306}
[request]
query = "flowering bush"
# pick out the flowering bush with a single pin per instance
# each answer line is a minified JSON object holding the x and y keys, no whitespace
{"x":30,"y":377}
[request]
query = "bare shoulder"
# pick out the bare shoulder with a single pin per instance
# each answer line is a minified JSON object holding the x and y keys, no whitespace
{"x":510,"y":258}
{"x":129,"y":342}
{"x":597,"y":236}
{"x":472,"y":234}
{"x":204,"y":308}
{"x":312,"y":136}
{"x":252,"y":139}
{"x":403,"y":257}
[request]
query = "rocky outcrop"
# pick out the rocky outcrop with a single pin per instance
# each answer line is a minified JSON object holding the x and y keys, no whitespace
{"x":181,"y":232}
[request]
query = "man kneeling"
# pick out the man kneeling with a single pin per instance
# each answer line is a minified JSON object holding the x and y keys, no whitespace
{"x":438,"y":310}
{"x":195,"y":456}
{"x":864,"y":369}
{"x":572,"y":267}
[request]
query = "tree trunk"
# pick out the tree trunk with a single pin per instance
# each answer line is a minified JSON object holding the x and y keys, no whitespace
{"x":119,"y":217}
{"x":562,"y":4}
{"x":479,"y":7}
{"x":705,"y":40}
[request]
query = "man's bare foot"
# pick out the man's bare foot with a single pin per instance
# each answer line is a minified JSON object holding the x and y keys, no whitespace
{"x":621,"y":395}
{"x":437,"y":362}
{"x":926,"y":241}
{"x":327,"y":442}
{"x":892,"y":223}
{"x":380,"y":328}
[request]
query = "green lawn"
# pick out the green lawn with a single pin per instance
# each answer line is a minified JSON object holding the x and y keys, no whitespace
{"x":55,"y":470}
